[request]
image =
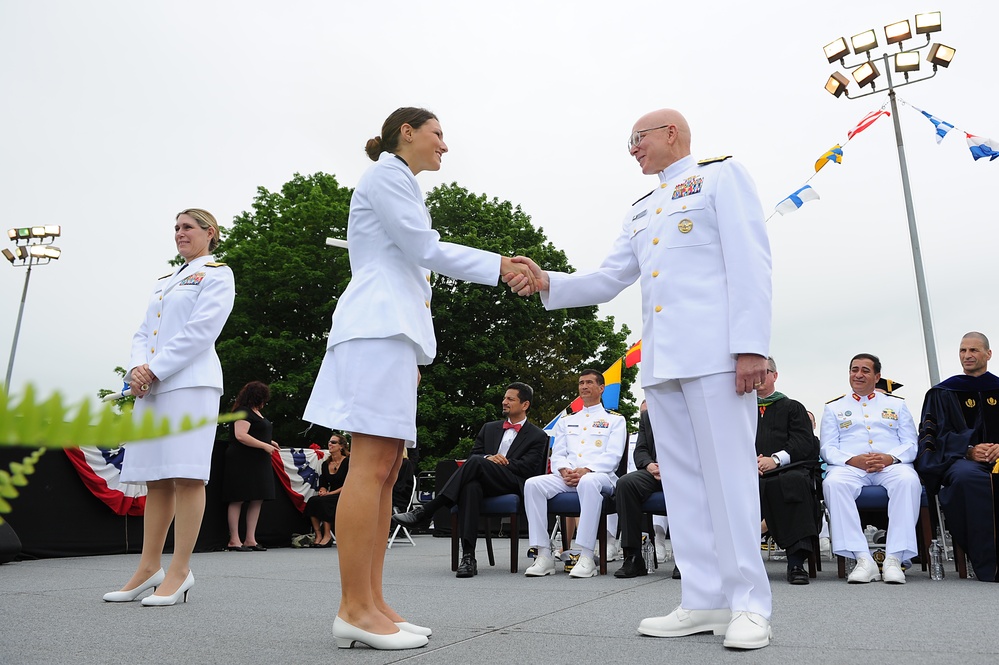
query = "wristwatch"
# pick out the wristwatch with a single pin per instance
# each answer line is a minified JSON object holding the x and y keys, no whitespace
{"x":775,"y":459}
{"x":895,"y":460}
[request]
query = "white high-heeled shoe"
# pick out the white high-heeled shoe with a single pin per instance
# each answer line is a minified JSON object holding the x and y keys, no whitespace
{"x":165,"y":601}
{"x":414,"y":629}
{"x":347,"y":635}
{"x":132,"y":594}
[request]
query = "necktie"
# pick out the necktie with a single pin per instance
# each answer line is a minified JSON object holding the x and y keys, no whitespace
{"x":509,"y":425}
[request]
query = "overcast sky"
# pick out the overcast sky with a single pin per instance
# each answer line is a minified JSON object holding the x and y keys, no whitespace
{"x":116,"y":115}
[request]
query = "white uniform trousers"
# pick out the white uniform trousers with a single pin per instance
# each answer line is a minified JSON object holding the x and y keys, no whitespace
{"x":706,"y":447}
{"x":842,"y":486}
{"x":591,"y":490}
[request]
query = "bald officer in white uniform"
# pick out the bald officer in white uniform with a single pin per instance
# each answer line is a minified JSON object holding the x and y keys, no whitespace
{"x":588,"y":448}
{"x":699,"y":247}
{"x":869,"y":438}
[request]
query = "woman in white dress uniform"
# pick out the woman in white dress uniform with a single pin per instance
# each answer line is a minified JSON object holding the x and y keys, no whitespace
{"x":175,"y":372}
{"x":382,"y":331}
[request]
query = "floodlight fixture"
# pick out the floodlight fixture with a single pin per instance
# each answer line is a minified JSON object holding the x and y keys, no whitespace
{"x":53,"y":230}
{"x":864,"y":42}
{"x":836,"y":50}
{"x":898,"y":32}
{"x":12,"y":234}
{"x":927,"y":23}
{"x":9,"y":255}
{"x":37,"y":231}
{"x":865,"y":74}
{"x":836,"y":85}
{"x":907,"y":61}
{"x":940,"y":55}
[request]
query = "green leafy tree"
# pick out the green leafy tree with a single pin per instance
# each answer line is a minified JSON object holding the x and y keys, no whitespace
{"x":287,"y":284}
{"x":288,"y":281}
{"x":488,"y":337}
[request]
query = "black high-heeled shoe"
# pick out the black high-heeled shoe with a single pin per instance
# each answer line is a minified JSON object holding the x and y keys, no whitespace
{"x":329,"y":543}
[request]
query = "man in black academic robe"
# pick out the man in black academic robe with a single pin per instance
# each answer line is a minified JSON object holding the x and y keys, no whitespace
{"x":958,"y":453}
{"x":789,"y":508}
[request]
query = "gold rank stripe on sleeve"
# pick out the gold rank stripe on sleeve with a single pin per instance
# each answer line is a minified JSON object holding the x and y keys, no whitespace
{"x":712,"y":160}
{"x":836,"y":398}
{"x":213,"y":264}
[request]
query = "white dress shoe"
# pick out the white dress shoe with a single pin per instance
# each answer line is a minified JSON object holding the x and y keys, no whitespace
{"x":347,"y":636}
{"x":585,"y":567}
{"x":865,"y":571}
{"x":542,"y":566}
{"x":891,"y":571}
{"x":132,"y":594}
{"x":747,"y":630}
{"x":165,"y":601}
{"x":681,"y":622}
{"x":414,"y":629}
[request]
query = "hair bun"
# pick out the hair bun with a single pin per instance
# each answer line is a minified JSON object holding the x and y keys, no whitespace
{"x":374,"y":148}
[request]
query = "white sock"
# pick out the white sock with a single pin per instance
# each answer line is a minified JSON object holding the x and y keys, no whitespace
{"x":862,"y":555}
{"x":585,"y":551}
{"x":545,"y":552}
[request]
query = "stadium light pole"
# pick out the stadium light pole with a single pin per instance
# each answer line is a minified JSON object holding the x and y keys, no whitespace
{"x":865,"y":73}
{"x":32,"y":246}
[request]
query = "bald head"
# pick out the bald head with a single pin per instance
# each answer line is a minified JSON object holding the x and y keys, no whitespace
{"x":664,"y":139}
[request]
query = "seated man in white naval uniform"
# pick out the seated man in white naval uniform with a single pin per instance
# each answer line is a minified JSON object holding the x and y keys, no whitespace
{"x":587,"y":451}
{"x":869,"y":438}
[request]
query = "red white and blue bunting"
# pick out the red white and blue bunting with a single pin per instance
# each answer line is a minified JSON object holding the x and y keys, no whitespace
{"x":297,"y":471}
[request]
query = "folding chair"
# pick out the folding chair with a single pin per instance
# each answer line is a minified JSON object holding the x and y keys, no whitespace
{"x":398,"y":527}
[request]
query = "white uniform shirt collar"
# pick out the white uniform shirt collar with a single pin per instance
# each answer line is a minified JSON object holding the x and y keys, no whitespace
{"x":672,"y":171}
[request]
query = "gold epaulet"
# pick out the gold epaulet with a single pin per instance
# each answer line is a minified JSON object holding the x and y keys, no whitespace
{"x":169,"y":274}
{"x":613,"y":411}
{"x":712,"y":160}
{"x":214,"y":264}
{"x":836,"y":398}
{"x":643,"y":198}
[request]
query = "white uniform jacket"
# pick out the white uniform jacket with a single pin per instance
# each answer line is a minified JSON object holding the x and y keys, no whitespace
{"x":186,"y":314}
{"x":857,"y":425}
{"x":393,"y":250}
{"x":699,"y":245}
{"x":594,"y":438}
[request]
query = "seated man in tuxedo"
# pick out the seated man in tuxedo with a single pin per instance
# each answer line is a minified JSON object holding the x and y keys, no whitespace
{"x":505,"y":454}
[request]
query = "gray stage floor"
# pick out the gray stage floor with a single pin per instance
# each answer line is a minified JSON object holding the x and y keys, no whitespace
{"x":277,"y":607}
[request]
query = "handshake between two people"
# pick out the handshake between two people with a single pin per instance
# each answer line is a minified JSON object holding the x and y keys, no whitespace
{"x":523,"y":275}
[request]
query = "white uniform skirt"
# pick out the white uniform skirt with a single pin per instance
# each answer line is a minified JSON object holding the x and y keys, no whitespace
{"x":184,"y":455}
{"x":368,"y":386}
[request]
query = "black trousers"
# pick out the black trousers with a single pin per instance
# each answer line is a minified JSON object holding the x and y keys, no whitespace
{"x":969,"y":499}
{"x":475,"y":479}
{"x":632,"y":491}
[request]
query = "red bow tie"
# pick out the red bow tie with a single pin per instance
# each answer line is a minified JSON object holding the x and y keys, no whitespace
{"x":509,"y":425}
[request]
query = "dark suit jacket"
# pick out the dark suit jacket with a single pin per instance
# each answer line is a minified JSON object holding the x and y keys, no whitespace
{"x":527,"y":453}
{"x":645,"y":446}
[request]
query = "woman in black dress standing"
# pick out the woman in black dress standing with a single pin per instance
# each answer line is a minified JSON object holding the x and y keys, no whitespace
{"x":321,"y":508}
{"x":249,"y":477}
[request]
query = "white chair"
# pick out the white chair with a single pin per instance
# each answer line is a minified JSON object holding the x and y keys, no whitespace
{"x":399,"y":527}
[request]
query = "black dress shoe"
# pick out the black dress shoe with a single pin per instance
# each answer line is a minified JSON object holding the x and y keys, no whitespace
{"x":797,"y":575}
{"x":634,"y":566}
{"x":676,"y":573}
{"x":468,"y":567}
{"x":413,"y":518}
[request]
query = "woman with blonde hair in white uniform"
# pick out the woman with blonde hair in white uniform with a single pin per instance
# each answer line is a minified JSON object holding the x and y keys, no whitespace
{"x":175,"y":373}
{"x":382,"y":331}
